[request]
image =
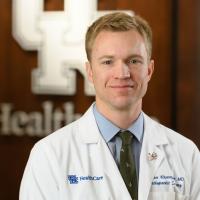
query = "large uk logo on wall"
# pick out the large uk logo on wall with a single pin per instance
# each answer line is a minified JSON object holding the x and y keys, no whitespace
{"x":58,"y":36}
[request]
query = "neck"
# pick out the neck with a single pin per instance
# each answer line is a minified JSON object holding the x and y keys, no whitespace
{"x":122,"y":118}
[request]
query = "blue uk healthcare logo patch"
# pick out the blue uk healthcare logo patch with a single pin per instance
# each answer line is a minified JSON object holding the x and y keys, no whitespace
{"x":74,"y":179}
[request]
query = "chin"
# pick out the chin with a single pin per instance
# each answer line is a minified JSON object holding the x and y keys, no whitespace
{"x":126,"y":102}
{"x":121,"y":105}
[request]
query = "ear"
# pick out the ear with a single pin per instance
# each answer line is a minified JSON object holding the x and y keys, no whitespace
{"x":89,"y":71}
{"x":150,"y":69}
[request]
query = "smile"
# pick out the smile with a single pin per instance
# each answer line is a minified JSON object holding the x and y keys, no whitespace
{"x":121,"y":86}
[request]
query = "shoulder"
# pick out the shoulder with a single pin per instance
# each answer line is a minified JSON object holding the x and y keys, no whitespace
{"x":53,"y":145}
{"x":172,"y":137}
{"x":70,"y":135}
{"x":178,"y":149}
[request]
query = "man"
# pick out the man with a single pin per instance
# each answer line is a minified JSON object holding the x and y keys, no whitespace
{"x":115,"y":151}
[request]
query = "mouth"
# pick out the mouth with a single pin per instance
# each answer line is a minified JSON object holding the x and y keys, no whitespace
{"x":122,"y":89}
{"x":121,"y":86}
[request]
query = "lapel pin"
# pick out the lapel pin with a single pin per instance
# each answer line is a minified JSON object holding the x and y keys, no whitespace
{"x":152,"y":156}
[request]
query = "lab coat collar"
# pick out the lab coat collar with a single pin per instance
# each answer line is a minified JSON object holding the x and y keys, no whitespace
{"x":90,"y":132}
{"x":153,"y":132}
{"x":88,"y":128}
{"x":153,"y":140}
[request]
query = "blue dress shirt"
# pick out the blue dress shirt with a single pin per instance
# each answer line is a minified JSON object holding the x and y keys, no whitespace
{"x":109,"y":132}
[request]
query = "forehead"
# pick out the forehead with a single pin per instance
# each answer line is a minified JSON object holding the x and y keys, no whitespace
{"x":118,"y":43}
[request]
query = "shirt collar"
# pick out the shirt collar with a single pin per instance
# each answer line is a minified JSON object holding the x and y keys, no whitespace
{"x":109,"y":130}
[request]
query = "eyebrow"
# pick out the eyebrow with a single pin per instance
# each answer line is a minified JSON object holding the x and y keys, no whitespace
{"x":135,"y":56}
{"x":128,"y":57}
{"x":105,"y":57}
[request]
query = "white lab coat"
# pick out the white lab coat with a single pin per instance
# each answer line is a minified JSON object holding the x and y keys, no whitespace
{"x":79,"y":150}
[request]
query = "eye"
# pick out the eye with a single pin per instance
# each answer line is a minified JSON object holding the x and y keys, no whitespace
{"x":107,"y":62}
{"x":134,"y":61}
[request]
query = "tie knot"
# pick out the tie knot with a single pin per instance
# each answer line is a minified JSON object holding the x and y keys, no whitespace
{"x":126,"y":137}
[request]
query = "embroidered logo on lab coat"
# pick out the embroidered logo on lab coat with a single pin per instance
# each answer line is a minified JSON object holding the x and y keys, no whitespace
{"x":74,"y":179}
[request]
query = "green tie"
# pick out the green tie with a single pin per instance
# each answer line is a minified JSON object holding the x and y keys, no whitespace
{"x":127,"y":164}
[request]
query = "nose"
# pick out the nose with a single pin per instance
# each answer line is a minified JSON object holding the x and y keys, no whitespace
{"x":122,"y":70}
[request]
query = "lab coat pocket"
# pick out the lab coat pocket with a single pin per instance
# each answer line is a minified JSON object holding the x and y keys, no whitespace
{"x":166,"y":196}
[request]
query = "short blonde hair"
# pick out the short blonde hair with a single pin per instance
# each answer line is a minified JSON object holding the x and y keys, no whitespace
{"x":116,"y":22}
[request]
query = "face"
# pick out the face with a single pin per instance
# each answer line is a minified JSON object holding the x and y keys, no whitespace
{"x":119,"y":69}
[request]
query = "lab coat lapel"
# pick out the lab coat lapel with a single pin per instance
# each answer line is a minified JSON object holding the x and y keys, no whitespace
{"x":114,"y":180}
{"x":147,"y":170}
{"x":152,"y":140}
{"x":103,"y":159}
